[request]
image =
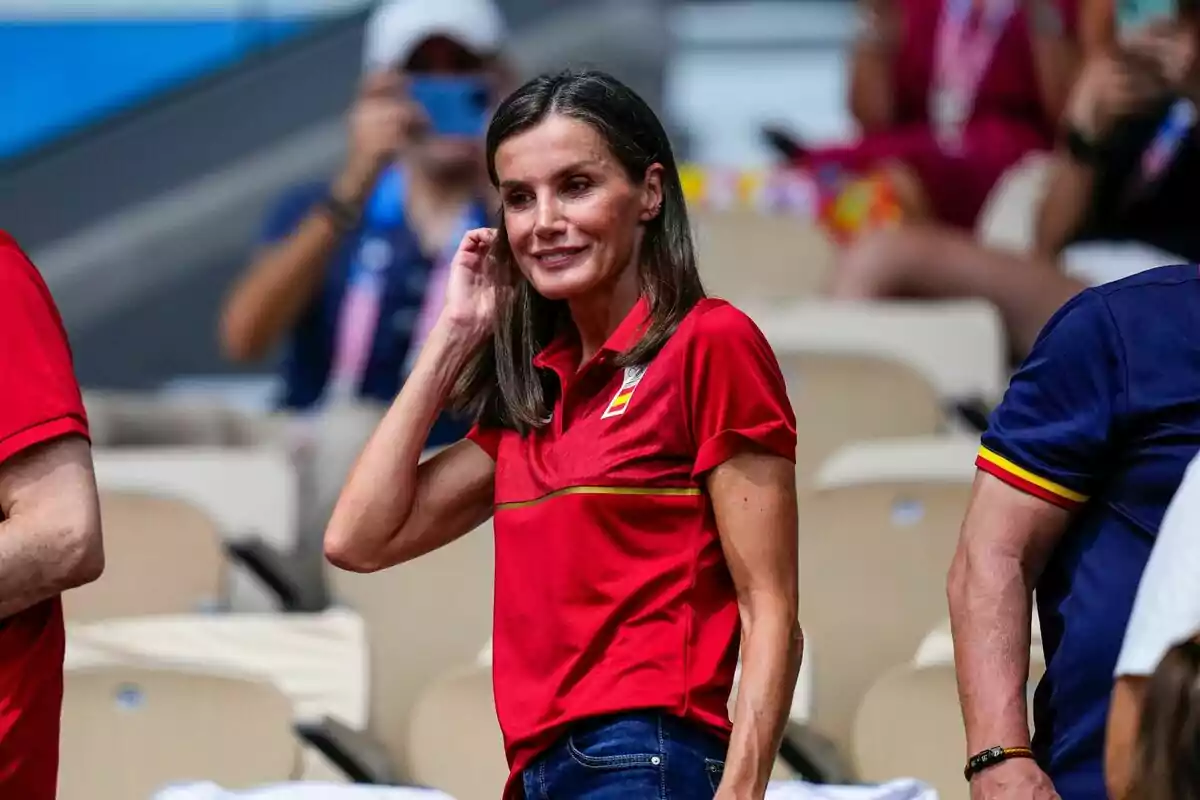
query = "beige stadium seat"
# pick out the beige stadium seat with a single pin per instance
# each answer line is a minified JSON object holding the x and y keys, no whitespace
{"x":423,"y":619}
{"x":762,"y":258}
{"x":909,"y":726}
{"x":452,"y":724}
{"x":124,"y":419}
{"x":129,"y":731}
{"x":1008,"y":218}
{"x":163,"y":556}
{"x":957,"y":346}
{"x":876,"y":539}
{"x":842,"y":398}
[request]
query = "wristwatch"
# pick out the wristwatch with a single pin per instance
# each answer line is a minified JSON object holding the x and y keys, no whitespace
{"x":344,"y":216}
{"x":1082,"y":148}
{"x":993,"y":756}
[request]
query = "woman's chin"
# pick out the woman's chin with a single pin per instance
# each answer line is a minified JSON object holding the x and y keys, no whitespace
{"x":563,"y":284}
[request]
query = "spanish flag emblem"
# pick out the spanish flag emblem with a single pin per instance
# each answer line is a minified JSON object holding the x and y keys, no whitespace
{"x":620,"y":401}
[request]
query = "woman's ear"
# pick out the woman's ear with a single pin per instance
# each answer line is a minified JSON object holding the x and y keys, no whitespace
{"x":652,"y":193}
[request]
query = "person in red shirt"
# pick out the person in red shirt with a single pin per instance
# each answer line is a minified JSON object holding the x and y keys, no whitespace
{"x":636,"y":447}
{"x":49,"y":523}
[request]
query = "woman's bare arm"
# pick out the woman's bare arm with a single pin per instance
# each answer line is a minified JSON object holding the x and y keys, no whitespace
{"x":871,"y":99}
{"x":754,"y":500}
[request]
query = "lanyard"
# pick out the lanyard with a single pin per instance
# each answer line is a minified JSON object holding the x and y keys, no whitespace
{"x":962,"y":55}
{"x":362,"y":304}
{"x":1163,"y":149}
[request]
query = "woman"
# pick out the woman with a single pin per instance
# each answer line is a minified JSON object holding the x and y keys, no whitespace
{"x":1167,"y":757}
{"x":1150,"y":701}
{"x":948,"y":94}
{"x":637,"y":447}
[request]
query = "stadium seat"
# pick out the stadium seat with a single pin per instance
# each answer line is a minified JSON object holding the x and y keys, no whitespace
{"x":423,"y":619}
{"x":454,"y":723}
{"x":910,"y":725}
{"x":129,"y":731}
{"x":126,"y":419}
{"x":841,"y":398}
{"x":876,"y":539}
{"x":163,"y":556}
{"x":745,"y":256}
{"x":957,"y":346}
{"x":250,"y":493}
{"x":1009,"y":215}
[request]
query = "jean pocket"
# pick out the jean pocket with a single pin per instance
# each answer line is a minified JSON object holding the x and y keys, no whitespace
{"x":715,"y":770}
{"x":616,"y":743}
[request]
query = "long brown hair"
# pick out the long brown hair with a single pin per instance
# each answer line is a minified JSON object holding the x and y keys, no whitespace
{"x":1167,"y":760}
{"x":501,"y":387}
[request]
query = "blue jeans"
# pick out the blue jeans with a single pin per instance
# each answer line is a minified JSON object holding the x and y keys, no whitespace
{"x":634,"y":756}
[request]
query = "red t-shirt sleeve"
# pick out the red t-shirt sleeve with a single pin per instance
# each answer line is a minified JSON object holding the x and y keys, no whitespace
{"x":39,"y":396}
{"x":736,"y":398}
{"x":486,"y":438}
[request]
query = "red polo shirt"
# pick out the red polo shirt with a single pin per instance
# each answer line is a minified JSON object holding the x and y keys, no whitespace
{"x":39,"y":401}
{"x":612,"y":592}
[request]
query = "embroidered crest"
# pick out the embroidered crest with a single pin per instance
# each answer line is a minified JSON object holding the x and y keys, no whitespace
{"x":620,"y":402}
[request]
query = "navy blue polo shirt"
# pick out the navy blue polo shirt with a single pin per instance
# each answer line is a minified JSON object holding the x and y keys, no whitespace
{"x":1103,"y":419}
{"x":384,"y":237}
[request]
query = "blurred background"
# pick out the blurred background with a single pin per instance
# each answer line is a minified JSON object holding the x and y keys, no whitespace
{"x":142,"y":141}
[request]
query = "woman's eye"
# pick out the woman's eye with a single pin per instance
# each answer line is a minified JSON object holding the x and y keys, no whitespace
{"x":516,"y":199}
{"x":578,"y":186}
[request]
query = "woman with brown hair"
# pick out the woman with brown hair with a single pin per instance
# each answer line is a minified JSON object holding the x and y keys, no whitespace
{"x":636,"y":447}
{"x":1166,"y":760}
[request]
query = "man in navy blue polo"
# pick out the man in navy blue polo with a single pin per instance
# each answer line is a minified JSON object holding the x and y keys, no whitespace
{"x":350,"y":273}
{"x":1076,"y":471}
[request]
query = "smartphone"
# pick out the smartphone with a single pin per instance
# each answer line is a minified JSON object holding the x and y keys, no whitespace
{"x":456,"y":106}
{"x":1133,"y":15}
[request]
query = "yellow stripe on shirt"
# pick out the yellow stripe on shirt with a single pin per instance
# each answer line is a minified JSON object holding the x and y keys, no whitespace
{"x":609,"y":490}
{"x":1025,"y":475}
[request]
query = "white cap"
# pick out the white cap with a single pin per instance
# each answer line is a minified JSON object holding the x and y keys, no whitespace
{"x":398,"y":27}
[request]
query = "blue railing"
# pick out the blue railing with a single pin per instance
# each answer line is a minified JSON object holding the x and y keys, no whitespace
{"x":60,"y":72}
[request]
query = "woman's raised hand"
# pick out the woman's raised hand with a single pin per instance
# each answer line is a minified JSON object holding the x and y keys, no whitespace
{"x":471,"y":291}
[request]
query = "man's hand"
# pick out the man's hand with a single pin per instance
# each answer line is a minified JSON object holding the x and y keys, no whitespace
{"x":1110,"y":88}
{"x":382,"y":123}
{"x":1017,"y":778}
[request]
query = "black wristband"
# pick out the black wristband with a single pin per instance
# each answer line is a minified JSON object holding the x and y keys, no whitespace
{"x":993,"y":756}
{"x":1081,"y":148}
{"x":344,"y":216}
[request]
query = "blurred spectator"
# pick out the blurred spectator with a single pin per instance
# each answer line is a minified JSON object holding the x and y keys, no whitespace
{"x":949,"y":94}
{"x":1118,"y":196}
{"x":1167,"y":611}
{"x":351,"y":274}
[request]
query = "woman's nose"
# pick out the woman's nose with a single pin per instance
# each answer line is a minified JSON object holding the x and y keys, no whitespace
{"x":549,"y":221}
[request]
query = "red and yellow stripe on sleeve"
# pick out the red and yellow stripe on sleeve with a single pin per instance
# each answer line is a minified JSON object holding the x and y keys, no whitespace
{"x":1021,"y":478}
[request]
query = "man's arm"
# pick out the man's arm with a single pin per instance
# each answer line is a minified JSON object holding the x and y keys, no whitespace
{"x":1006,"y":540}
{"x":50,"y":537}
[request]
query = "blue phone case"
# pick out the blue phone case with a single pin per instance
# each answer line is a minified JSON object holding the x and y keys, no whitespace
{"x":1135,"y":14}
{"x":455,"y":106}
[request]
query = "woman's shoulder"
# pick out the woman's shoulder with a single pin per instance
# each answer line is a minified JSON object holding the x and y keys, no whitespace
{"x":713,"y":320}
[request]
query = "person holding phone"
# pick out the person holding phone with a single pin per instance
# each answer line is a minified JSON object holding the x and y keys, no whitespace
{"x":350,"y":274}
{"x":635,"y":447}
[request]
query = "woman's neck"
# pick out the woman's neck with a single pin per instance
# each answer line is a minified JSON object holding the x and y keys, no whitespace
{"x":598,"y":315}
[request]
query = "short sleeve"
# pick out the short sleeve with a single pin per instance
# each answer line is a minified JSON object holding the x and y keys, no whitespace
{"x":1167,"y":608}
{"x":288,"y":212}
{"x":735,"y":392}
{"x":39,"y":396}
{"x":488,"y":439}
{"x":1049,"y":435}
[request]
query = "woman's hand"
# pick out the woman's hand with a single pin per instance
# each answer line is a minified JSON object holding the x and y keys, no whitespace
{"x":471,"y":292}
{"x":382,"y":123}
